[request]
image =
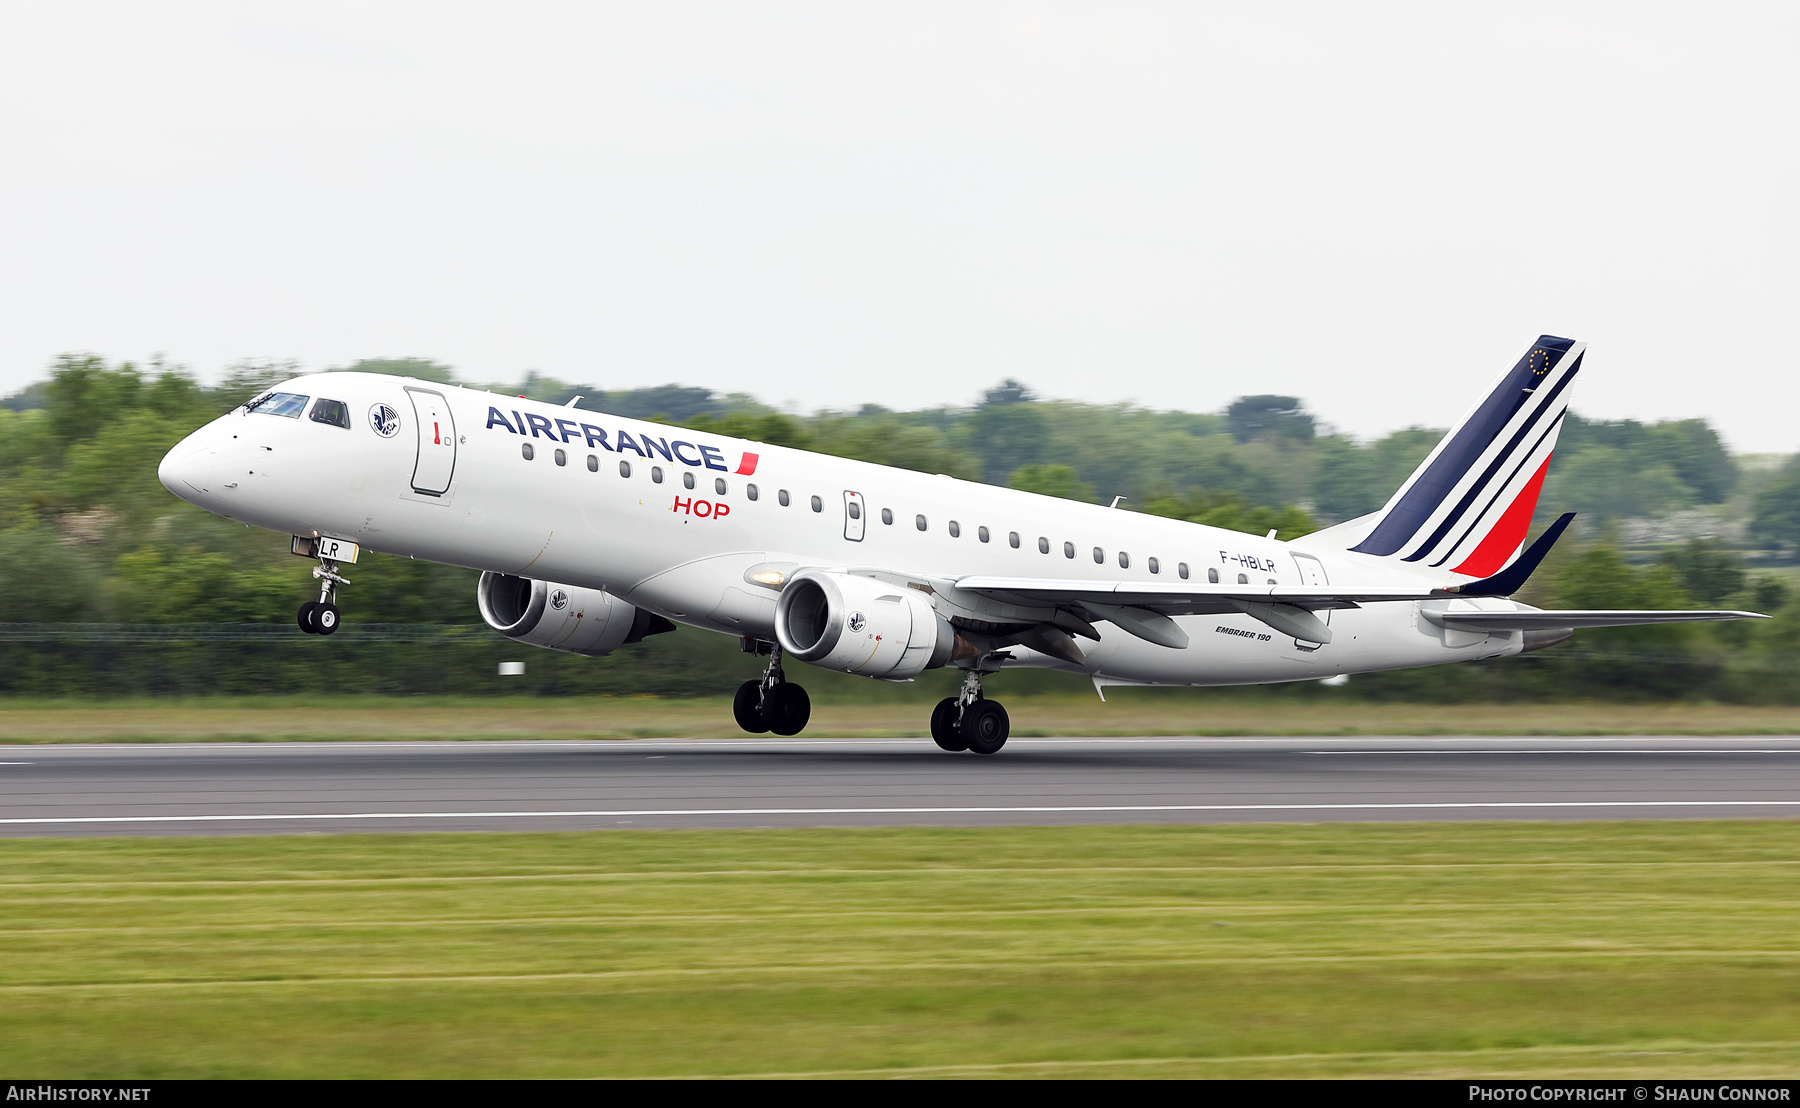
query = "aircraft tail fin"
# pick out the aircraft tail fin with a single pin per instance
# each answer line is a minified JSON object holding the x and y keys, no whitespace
{"x":1465,"y":511}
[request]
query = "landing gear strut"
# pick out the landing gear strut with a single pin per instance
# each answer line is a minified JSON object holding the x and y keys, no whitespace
{"x":772,"y":703}
{"x":320,"y":617}
{"x":968,"y":722}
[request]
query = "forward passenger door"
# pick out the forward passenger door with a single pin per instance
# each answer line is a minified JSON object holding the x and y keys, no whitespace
{"x":436,"y":461}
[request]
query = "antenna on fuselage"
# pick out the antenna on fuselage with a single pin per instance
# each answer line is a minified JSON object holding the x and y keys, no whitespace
{"x":1116,"y":500}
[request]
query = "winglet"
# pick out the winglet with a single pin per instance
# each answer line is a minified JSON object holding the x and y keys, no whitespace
{"x":1511,"y":579}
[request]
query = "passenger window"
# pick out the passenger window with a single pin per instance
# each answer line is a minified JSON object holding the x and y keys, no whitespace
{"x":817,"y":504}
{"x":718,"y":486}
{"x":656,"y":474}
{"x":624,"y":469}
{"x":981,"y":533}
{"x":593,"y":463}
{"x":855,"y":510}
{"x":750,"y":491}
{"x":1212,"y":576}
{"x":1243,"y":578}
{"x":1012,"y":538}
{"x":919,"y":522}
{"x":1124,"y":560}
{"x":1181,"y":571}
{"x":333,"y":412}
{"x":1068,"y":550}
{"x":783,"y":497}
{"x":1099,"y":556}
{"x":1043,"y":545}
{"x":887,"y":516}
{"x":289,"y":404}
{"x":1155,"y":566}
{"x":562,"y":459}
{"x":687,"y":480}
{"x":955,"y":529}
{"x":527,"y":450}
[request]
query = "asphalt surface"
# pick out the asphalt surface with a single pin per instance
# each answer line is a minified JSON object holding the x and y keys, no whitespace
{"x":214,"y":789}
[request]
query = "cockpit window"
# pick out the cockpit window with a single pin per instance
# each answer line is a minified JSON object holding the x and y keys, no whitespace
{"x":331,"y":411}
{"x":289,"y":404}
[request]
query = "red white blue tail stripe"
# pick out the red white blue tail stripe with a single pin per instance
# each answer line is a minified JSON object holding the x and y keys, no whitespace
{"x":1468,"y":506}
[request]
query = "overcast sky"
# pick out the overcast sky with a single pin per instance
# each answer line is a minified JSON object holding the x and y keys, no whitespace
{"x":1373,"y":206}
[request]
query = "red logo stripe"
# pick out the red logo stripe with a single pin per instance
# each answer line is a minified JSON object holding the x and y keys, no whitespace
{"x":1509,"y":533}
{"x":748,"y":465}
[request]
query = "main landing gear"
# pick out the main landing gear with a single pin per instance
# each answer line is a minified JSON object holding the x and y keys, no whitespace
{"x":772,"y":703}
{"x":967,"y":722}
{"x":320,"y":617}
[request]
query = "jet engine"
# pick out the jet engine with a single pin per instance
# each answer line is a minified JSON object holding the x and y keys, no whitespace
{"x":562,"y":617}
{"x":860,"y":625}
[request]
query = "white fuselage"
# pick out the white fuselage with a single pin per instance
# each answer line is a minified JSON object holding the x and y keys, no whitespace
{"x":452,"y":485}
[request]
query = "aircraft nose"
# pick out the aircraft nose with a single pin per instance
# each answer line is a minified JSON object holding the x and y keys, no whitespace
{"x":184,"y":470}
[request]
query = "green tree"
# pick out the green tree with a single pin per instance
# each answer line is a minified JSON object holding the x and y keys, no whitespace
{"x":1051,"y":481}
{"x":1708,"y":572}
{"x":1233,"y":513}
{"x":84,"y":395}
{"x":1254,"y":417}
{"x":1008,"y":432}
{"x":1776,"y":521}
{"x":46,"y":581}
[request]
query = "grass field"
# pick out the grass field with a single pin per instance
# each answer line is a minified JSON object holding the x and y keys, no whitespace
{"x":1128,"y":712}
{"x":1655,"y":949}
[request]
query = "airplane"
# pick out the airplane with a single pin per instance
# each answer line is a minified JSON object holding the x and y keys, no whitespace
{"x":593,"y":532}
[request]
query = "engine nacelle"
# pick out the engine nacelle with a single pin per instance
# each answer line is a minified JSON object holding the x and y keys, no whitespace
{"x":562,"y":617}
{"x":860,"y":625}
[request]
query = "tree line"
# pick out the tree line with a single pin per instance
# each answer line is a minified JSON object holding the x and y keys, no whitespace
{"x":88,"y":535}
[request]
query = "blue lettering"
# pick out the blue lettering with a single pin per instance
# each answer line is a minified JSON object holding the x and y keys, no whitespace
{"x":538,"y":422}
{"x":495,"y":415}
{"x":569,"y":429}
{"x":661,"y":446}
{"x":685,"y":460}
{"x":626,"y":442}
{"x":714,"y":459}
{"x":594,"y":434}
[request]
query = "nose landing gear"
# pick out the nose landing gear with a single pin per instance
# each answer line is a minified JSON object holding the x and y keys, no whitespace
{"x":966,"y":721}
{"x":320,"y":617}
{"x":772,"y":703}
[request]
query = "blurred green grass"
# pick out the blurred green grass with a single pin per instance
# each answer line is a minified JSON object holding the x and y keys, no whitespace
{"x":1130,"y":711}
{"x":1652,"y":948}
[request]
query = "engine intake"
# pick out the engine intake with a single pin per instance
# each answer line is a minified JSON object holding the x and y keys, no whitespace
{"x":562,"y":617}
{"x":860,"y":625}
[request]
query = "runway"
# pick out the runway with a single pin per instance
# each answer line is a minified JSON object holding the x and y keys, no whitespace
{"x":216,"y":789}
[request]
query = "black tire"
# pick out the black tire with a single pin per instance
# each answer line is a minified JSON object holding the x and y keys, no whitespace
{"x":305,"y":619}
{"x":985,"y":726}
{"x":944,"y":731}
{"x":747,"y":707}
{"x":788,"y":708}
{"x":325,"y":618}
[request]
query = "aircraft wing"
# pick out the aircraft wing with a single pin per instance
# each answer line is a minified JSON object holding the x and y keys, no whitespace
{"x":1143,"y":608}
{"x":1540,"y":620}
{"x":1192,"y":598}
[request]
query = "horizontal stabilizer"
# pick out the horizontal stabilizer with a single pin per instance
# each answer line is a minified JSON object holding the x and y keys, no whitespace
{"x":1541,"y":621}
{"x":1511,"y":579}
